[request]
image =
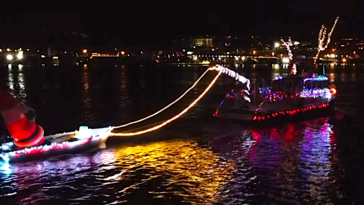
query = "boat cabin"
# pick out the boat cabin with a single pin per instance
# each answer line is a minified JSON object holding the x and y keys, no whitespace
{"x":293,"y":84}
{"x":319,"y":82}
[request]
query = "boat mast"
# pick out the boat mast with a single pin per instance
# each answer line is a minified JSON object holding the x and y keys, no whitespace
{"x":323,"y":69}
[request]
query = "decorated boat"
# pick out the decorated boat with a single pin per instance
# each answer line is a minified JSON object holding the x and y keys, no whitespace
{"x":287,"y":97}
{"x":60,"y":144}
{"x":27,"y":138}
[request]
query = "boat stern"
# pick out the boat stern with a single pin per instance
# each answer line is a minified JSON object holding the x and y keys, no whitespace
{"x":84,"y":138}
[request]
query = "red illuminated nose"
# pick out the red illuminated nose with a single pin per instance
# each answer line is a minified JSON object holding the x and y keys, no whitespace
{"x":333,"y":91}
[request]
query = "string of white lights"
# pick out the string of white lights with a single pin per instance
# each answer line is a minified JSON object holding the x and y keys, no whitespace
{"x":232,"y":74}
{"x":166,"y":107}
{"x":219,"y":68}
{"x":322,"y":36}
{"x":288,"y":45}
{"x":330,"y":34}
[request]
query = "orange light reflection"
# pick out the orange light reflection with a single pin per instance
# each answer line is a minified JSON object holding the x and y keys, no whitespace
{"x":196,"y":169}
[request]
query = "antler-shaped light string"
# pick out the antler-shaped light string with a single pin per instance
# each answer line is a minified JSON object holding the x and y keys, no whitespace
{"x":288,"y":45}
{"x":321,"y":40}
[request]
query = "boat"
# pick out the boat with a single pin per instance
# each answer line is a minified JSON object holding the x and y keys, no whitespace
{"x":287,"y":97}
{"x":27,"y":138}
{"x":59,"y":144}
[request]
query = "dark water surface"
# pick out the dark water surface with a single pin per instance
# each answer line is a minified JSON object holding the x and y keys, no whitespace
{"x":312,"y":162}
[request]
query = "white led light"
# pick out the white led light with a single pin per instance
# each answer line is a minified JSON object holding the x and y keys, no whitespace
{"x":97,"y":135}
{"x":9,"y":57}
{"x":84,"y":133}
{"x":20,"y":55}
{"x":232,"y":74}
{"x":5,"y":157}
{"x":6,"y":146}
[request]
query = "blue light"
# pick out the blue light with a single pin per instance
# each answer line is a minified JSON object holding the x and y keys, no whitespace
{"x":5,"y":168}
{"x":7,"y":146}
{"x":314,"y":93}
{"x":5,"y":157}
{"x":278,"y":78}
{"x":319,"y":78}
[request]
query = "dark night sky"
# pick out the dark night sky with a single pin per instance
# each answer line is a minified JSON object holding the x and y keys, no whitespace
{"x":149,"y":22}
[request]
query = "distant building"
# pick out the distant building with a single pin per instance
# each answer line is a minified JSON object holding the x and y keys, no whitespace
{"x":306,"y":44}
{"x":347,"y":42}
{"x":360,"y":45}
{"x":202,"y":42}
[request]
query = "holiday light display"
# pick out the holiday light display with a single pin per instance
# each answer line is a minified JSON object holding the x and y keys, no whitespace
{"x":244,"y":93}
{"x":291,"y":112}
{"x":98,"y":136}
{"x":319,"y":78}
{"x":176,"y":116}
{"x":166,"y":107}
{"x":322,"y":36}
{"x":294,"y":70}
{"x":273,"y":97}
{"x":232,"y":74}
{"x":20,"y":121}
{"x":220,"y":70}
{"x":82,"y":138}
{"x":326,"y":94}
{"x":278,"y":78}
{"x":224,"y":70}
{"x":288,"y":45}
{"x":330,"y":34}
{"x":315,"y":93}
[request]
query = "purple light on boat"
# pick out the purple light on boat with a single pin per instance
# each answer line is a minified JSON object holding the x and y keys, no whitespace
{"x":278,"y":78}
{"x":314,"y":93}
{"x":320,"y":78}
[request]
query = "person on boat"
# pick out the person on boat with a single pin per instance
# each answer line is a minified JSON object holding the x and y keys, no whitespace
{"x":20,"y":121}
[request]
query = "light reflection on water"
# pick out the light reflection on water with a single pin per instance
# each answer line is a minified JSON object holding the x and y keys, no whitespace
{"x":332,"y":77}
{"x":293,"y":163}
{"x":198,"y":172}
{"x":177,"y":170}
{"x":21,"y":85}
{"x":86,"y":95}
{"x":10,"y":79}
{"x":343,"y":77}
{"x":315,"y":155}
{"x":353,"y":77}
{"x":16,"y":83}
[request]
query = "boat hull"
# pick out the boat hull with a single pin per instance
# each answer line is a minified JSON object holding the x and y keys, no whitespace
{"x":299,"y":114}
{"x":70,"y":146}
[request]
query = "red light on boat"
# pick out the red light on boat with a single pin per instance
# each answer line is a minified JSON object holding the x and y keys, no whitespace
{"x":333,"y":91}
